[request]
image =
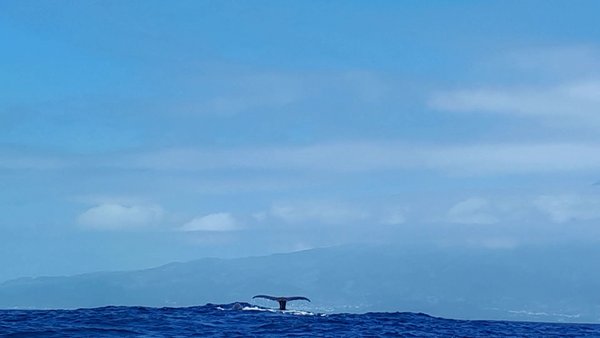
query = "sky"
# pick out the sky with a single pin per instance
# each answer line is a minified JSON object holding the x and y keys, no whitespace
{"x":137,"y":133}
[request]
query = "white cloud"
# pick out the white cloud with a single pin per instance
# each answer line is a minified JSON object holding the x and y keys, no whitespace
{"x":513,"y":158}
{"x":562,"y":61}
{"x":351,"y":156}
{"x":560,"y":86}
{"x":212,"y":222}
{"x":112,"y":216}
{"x":575,"y":103}
{"x":250,"y":91}
{"x":101,"y":199}
{"x":319,"y":212}
{"x":238,"y":91}
{"x":499,"y":158}
{"x":260,"y":216}
{"x":471,"y":211}
{"x":393,"y":217}
{"x":348,"y":157}
{"x":569,"y":207}
{"x":301,"y":246}
{"x":19,"y":158}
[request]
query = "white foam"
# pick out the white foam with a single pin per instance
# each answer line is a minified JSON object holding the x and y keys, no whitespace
{"x":256,"y":308}
{"x":531,"y":313}
{"x":298,"y":312}
{"x":292,"y":312}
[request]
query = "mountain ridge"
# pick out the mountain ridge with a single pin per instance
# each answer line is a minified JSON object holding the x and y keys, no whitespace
{"x":474,"y":284}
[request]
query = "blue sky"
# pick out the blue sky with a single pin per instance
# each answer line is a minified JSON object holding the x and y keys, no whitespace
{"x":142,"y":132}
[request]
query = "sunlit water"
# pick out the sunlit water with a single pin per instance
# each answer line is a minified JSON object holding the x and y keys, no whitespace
{"x":248,"y":320}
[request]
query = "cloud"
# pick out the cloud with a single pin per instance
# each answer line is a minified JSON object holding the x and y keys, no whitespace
{"x":112,"y":216}
{"x":499,"y":158}
{"x":212,"y":222}
{"x":514,"y":158}
{"x":347,"y":157}
{"x":318,"y":212}
{"x":576,"y":103}
{"x":569,"y":207}
{"x":471,"y":211}
{"x":558,"y":86}
{"x":558,"y":61}
{"x":250,"y":91}
{"x":393,"y":217}
{"x":15,"y":158}
{"x":230,"y":92}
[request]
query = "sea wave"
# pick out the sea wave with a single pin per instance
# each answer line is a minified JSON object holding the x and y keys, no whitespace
{"x":244,"y":319}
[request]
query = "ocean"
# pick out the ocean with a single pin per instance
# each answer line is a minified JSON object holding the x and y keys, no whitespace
{"x":248,"y":320}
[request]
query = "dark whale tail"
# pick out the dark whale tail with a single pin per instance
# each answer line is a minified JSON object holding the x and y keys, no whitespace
{"x":281,"y":300}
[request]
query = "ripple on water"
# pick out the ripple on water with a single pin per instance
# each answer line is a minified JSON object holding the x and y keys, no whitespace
{"x":224,"y":320}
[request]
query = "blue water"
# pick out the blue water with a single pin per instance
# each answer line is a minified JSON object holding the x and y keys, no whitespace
{"x":226,"y":321}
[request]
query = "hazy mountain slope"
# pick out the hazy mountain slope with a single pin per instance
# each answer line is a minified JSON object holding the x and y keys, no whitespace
{"x":514,"y":284}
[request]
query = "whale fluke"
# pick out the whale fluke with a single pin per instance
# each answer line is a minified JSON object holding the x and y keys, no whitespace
{"x":281,"y":300}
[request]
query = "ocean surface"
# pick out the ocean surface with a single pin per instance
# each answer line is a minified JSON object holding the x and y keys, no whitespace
{"x":232,"y":320}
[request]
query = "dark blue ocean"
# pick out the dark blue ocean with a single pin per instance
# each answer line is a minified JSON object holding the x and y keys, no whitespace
{"x":230,"y":321}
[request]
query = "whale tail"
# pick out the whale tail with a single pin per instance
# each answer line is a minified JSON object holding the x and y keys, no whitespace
{"x":282,"y":300}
